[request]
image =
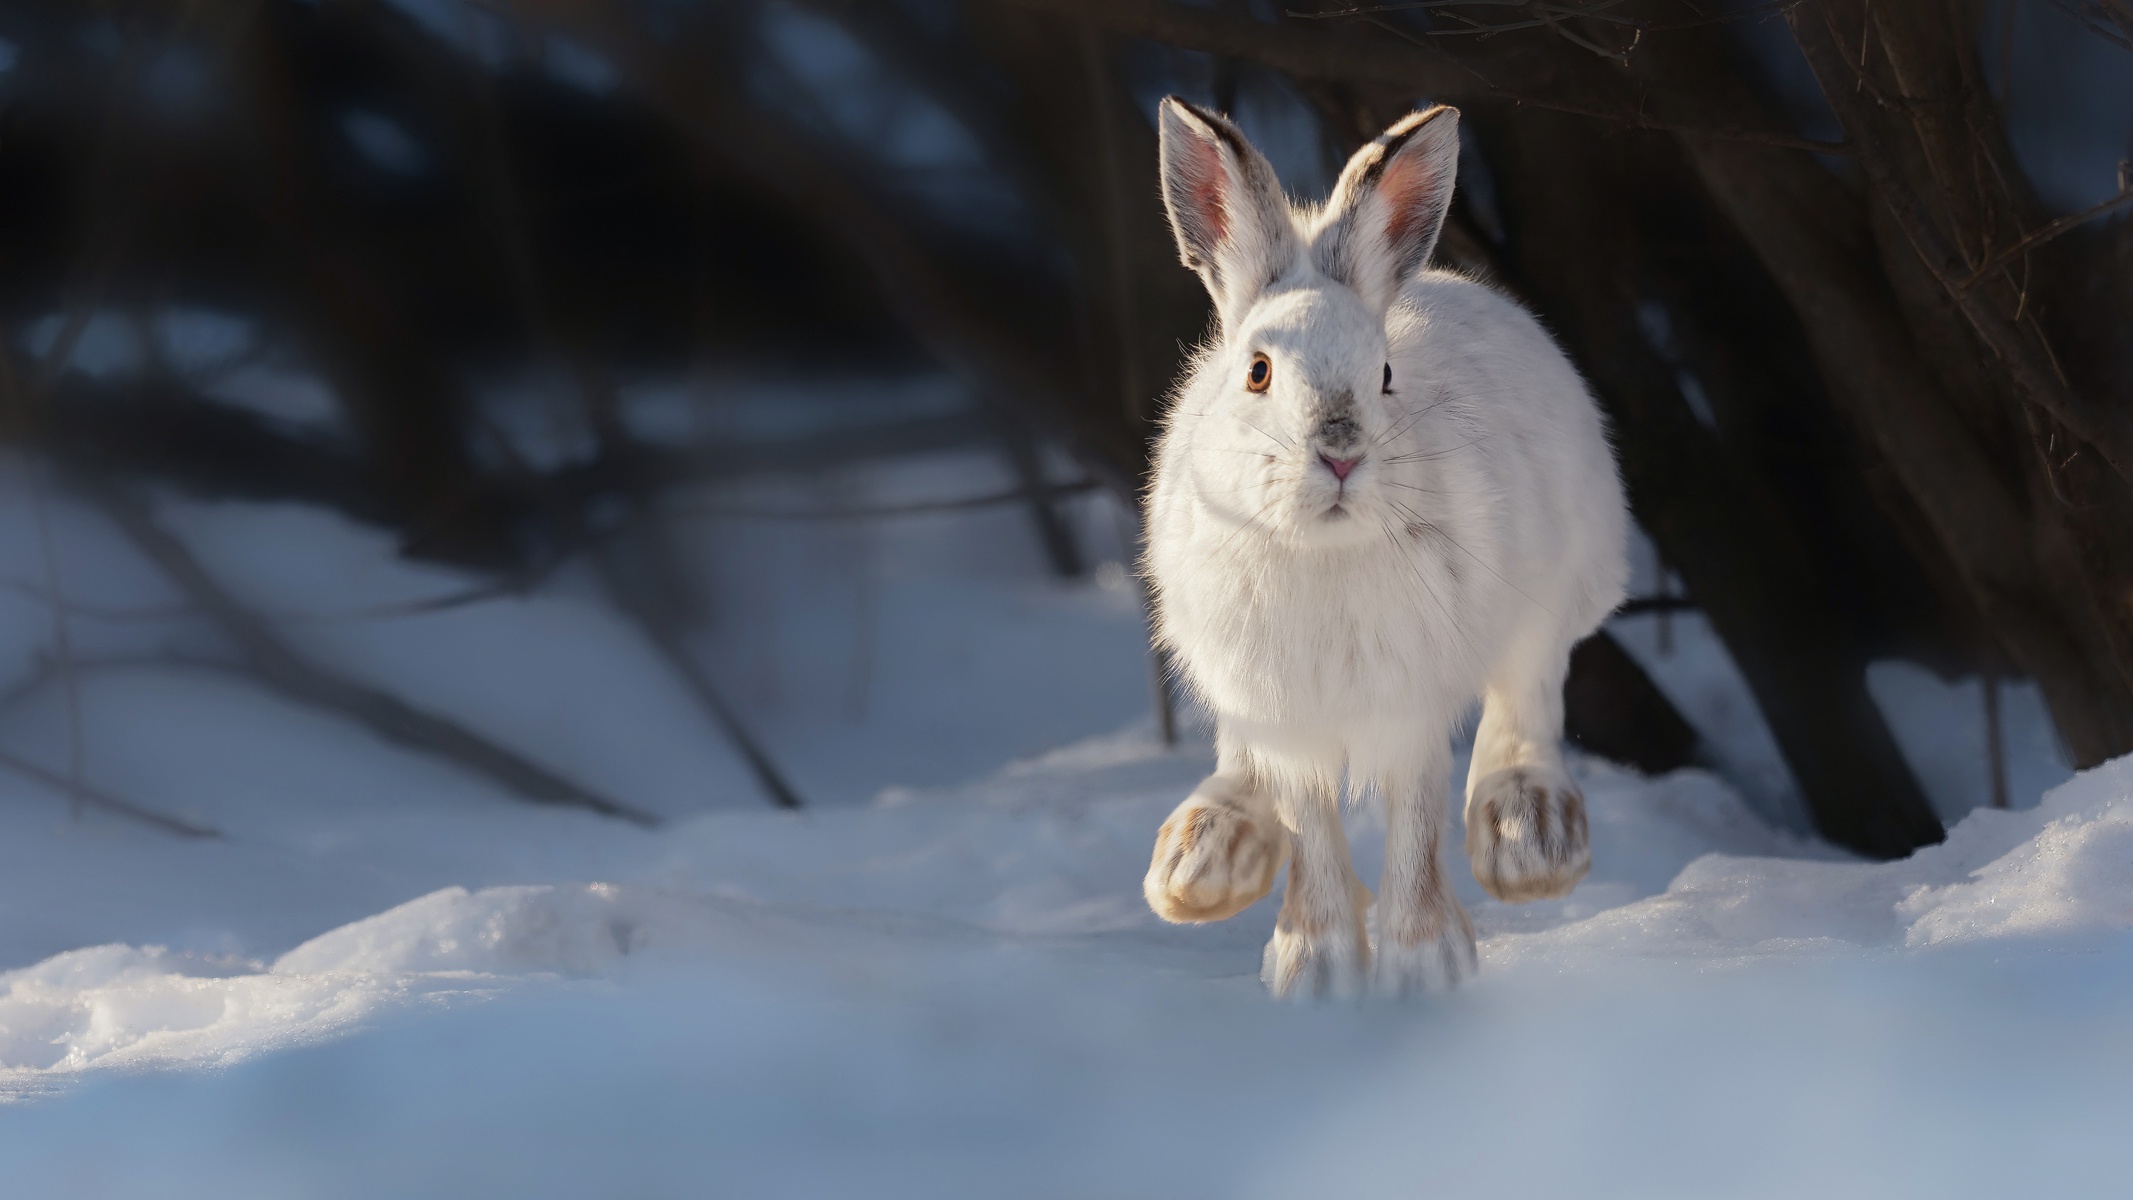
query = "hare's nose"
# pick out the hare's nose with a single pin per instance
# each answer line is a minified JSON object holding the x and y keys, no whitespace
{"x":1339,"y":466}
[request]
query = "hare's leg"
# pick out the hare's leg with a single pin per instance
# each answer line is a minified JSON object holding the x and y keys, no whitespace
{"x":1220,"y":849}
{"x":1525,"y":819}
{"x":1320,"y":945}
{"x":1425,"y":942}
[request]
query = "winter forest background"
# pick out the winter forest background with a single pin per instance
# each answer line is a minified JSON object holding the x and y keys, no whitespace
{"x":568,"y":624}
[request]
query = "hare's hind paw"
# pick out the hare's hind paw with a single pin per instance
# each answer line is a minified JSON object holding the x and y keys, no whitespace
{"x":1212,"y":860}
{"x":1526,"y":835}
{"x":1321,"y":945}
{"x":1412,"y":965}
{"x":1300,"y":967}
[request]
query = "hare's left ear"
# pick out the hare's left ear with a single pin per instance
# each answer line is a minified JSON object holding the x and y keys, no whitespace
{"x":1389,"y":205}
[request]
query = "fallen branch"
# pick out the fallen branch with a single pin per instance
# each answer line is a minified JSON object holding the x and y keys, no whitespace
{"x":62,"y":648}
{"x":267,"y":658}
{"x":44,"y":671}
{"x":596,"y":393}
{"x":84,"y":796}
{"x":94,"y":612}
{"x":519,"y":584}
{"x":668,"y":639}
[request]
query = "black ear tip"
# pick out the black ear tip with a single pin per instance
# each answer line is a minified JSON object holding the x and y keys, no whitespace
{"x":1442,"y":116}
{"x":1179,"y":108}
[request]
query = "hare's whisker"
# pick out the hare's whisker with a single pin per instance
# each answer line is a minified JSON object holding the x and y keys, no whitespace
{"x":1431,"y":491}
{"x":1407,"y":424}
{"x":1466,"y":641}
{"x":1444,"y":533}
{"x":1423,"y":457}
{"x":1270,"y":437}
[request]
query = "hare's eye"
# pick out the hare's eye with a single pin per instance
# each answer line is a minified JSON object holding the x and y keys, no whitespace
{"x":1261,"y":373}
{"x":1387,"y":389}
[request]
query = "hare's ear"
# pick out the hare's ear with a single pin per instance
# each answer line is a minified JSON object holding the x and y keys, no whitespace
{"x":1226,"y":207}
{"x":1387,"y":208}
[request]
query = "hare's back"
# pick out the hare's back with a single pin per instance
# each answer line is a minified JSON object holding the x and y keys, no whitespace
{"x":1532,"y":430}
{"x":1458,"y":331}
{"x":1463,"y":341}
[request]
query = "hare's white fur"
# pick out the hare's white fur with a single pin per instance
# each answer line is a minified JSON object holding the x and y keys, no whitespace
{"x":1340,"y":622}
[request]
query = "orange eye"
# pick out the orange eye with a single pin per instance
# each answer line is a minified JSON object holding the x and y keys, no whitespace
{"x":1261,"y":373}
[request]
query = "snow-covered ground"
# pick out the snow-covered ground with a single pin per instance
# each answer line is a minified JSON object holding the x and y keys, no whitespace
{"x":388,"y":979}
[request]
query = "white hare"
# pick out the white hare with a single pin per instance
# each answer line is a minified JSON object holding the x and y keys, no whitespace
{"x":1381,"y":492}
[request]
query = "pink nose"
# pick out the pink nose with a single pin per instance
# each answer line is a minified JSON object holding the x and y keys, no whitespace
{"x":1339,"y":466}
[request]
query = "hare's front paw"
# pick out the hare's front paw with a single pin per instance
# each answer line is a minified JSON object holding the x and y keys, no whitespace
{"x":1525,"y":834}
{"x":1212,"y":860}
{"x":1299,"y":966}
{"x":1427,"y":955}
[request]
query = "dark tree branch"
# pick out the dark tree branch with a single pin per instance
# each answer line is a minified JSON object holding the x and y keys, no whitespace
{"x":2108,"y":428}
{"x":959,"y":316}
{"x":1527,"y":75}
{"x":1613,"y":709}
{"x":1949,"y":484}
{"x":85,"y":796}
{"x":273,"y":662}
{"x":1585,"y":247}
{"x":2005,"y":258}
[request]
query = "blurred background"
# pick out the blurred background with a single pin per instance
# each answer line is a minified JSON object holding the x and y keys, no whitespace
{"x":804,"y":355}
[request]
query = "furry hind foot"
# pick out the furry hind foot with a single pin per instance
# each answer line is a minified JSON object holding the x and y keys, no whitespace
{"x":1212,"y":860}
{"x":1297,"y":966}
{"x":1427,"y":952}
{"x":1526,"y":835}
{"x":1430,"y":964}
{"x":1318,"y":952}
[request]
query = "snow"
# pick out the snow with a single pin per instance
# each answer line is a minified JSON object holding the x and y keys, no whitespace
{"x":940,"y":979}
{"x":2069,"y":875}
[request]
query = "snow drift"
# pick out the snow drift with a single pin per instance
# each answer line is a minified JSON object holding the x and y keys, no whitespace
{"x":1040,"y":856}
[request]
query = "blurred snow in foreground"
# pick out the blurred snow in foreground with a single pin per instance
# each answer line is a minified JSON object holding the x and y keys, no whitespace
{"x":961,"y":994}
{"x":411,"y":986}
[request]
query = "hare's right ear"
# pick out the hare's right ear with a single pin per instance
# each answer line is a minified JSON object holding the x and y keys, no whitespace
{"x":1226,"y":207}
